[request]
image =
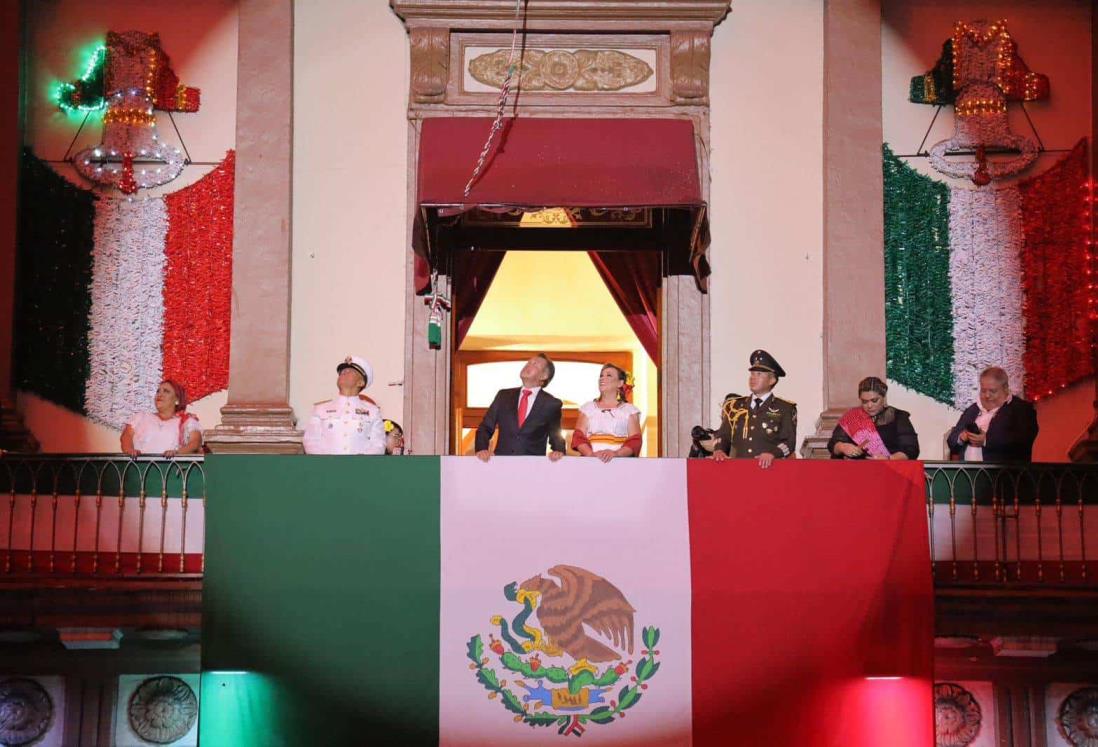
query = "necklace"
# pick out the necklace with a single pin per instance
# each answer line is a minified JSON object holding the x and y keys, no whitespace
{"x":598,"y":403}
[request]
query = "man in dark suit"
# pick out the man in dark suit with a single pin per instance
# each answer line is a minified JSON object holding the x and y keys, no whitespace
{"x":527,"y":416}
{"x":998,"y":428}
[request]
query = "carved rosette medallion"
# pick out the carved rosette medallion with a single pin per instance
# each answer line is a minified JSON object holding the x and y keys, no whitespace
{"x":562,"y":70}
{"x":25,"y":711}
{"x":1078,"y":717}
{"x":957,"y":716}
{"x":162,"y":709}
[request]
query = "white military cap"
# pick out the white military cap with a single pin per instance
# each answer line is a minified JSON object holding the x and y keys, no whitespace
{"x":358,"y":364}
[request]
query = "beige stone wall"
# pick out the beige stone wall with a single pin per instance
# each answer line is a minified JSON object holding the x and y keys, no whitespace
{"x":767,"y":198}
{"x":350,"y":219}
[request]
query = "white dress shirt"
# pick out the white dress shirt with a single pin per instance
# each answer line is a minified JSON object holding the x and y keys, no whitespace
{"x":983,"y":421}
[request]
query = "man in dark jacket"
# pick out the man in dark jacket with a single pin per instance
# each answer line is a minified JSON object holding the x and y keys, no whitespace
{"x":998,"y":428}
{"x":527,"y":416}
{"x":760,"y":426}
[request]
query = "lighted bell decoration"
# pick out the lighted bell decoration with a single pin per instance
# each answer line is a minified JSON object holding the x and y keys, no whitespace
{"x":135,"y":79}
{"x":979,"y":72}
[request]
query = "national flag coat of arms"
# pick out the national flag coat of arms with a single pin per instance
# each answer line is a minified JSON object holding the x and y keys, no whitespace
{"x":428,"y":600}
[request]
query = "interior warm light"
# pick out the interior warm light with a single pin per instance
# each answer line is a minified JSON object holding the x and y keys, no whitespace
{"x":875,"y":679}
{"x":557,"y":217}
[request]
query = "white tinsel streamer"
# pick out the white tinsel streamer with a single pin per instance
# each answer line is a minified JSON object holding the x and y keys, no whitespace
{"x":127,"y":309}
{"x":985,"y":272}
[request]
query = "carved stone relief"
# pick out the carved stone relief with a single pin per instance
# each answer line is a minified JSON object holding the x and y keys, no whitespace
{"x":690,"y":64}
{"x":162,"y":709}
{"x":25,"y":711}
{"x":1078,"y":718}
{"x":563,"y":70}
{"x":430,"y":64}
{"x":957,"y":716}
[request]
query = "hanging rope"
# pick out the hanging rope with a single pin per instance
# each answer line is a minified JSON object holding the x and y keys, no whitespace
{"x":501,"y":107}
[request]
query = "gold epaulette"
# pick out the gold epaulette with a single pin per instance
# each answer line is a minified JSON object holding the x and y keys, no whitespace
{"x":321,"y":402}
{"x":787,"y":401}
{"x":732,"y":413}
{"x":364,"y":398}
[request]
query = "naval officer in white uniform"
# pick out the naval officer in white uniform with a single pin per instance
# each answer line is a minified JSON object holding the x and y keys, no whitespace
{"x":350,"y":423}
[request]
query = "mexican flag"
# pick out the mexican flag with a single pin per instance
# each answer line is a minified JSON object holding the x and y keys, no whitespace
{"x":428,"y":600}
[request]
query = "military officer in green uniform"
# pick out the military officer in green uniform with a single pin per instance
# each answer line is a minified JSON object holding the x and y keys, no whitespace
{"x":758,"y":426}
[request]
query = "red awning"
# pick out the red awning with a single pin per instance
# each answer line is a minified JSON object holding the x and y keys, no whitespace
{"x":638,"y":164}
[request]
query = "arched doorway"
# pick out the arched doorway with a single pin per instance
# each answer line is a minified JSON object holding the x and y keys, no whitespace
{"x":450,"y":42}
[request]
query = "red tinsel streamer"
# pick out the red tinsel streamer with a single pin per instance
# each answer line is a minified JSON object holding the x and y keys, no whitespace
{"x":198,"y":282}
{"x":1056,"y":225}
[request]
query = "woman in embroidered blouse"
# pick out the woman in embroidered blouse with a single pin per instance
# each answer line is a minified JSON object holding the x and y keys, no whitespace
{"x":169,"y":431}
{"x":876,"y":430}
{"x":609,"y":426}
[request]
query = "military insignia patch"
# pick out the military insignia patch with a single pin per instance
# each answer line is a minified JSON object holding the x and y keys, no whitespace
{"x":566,"y":646}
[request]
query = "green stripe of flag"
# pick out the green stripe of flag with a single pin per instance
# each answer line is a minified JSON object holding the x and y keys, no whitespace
{"x":321,"y":601}
{"x":53,"y":289}
{"x":918,"y":306}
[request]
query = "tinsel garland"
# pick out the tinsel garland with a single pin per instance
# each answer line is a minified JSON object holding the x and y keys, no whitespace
{"x":918,"y":310}
{"x":108,"y":297}
{"x":985,"y":231}
{"x":127,"y":312}
{"x":1018,"y":290}
{"x":54,"y":268}
{"x":198,"y":283}
{"x":1055,"y":215}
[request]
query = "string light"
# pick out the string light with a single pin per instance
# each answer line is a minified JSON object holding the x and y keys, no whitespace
{"x":86,"y":94}
{"x":146,"y":82}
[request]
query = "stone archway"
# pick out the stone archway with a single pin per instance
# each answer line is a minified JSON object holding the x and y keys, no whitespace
{"x":447,"y":38}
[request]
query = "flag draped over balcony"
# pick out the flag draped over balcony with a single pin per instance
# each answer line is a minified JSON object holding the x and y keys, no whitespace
{"x":428,"y":600}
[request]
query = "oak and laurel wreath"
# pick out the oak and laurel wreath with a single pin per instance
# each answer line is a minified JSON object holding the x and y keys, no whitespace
{"x":628,"y":696}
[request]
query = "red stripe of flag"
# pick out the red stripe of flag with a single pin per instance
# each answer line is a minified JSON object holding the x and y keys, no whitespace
{"x":808,"y":579}
{"x":198,"y":282}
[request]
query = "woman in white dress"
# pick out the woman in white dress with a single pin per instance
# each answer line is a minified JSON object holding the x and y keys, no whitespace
{"x":169,"y":431}
{"x":609,"y":426}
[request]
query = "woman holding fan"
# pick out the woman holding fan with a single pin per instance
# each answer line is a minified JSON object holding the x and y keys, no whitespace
{"x":875,"y":430}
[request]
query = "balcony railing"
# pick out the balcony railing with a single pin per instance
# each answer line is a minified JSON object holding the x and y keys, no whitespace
{"x":1013,"y":524}
{"x":72,"y":516}
{"x":101,"y":516}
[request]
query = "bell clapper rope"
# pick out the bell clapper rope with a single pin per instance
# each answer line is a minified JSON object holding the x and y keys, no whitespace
{"x":504,"y":93}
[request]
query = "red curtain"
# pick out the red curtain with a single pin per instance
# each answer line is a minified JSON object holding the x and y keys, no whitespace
{"x":633,"y":279}
{"x":473,"y":274}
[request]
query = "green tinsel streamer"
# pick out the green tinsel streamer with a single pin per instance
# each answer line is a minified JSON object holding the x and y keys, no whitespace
{"x":54,"y":272}
{"x":918,"y":306}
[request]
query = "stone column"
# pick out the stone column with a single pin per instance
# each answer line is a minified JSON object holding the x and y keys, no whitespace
{"x":258,"y":417}
{"x":13,"y":434}
{"x":853,"y":265}
{"x":684,"y":369}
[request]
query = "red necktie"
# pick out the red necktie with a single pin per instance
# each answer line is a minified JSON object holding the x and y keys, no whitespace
{"x":524,"y":402}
